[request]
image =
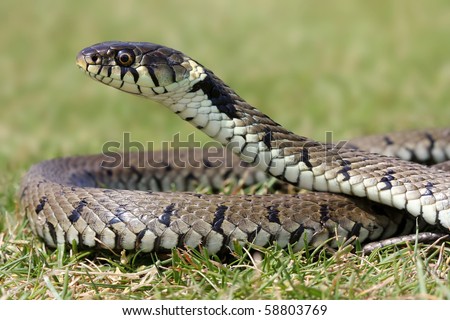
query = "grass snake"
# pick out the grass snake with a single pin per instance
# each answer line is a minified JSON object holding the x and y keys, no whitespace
{"x":129,"y":202}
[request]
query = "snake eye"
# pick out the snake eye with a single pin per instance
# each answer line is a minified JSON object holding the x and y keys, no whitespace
{"x":96,"y":59}
{"x":125,"y":58}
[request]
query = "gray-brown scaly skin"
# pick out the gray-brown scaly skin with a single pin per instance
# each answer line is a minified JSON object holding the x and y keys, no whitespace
{"x":69,"y":200}
{"x":426,"y":147}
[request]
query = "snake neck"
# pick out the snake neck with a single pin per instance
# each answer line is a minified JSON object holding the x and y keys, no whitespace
{"x":214,"y":108}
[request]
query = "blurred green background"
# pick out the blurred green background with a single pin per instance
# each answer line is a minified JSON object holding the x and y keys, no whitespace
{"x":350,"y":67}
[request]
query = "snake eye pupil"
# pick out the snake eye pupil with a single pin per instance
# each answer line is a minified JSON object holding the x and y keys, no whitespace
{"x":125,"y":58}
{"x":95,"y":58}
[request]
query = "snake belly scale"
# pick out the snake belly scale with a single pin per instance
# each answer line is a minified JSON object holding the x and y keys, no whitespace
{"x":80,"y":200}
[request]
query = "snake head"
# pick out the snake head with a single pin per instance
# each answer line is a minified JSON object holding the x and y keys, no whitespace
{"x":141,"y":68}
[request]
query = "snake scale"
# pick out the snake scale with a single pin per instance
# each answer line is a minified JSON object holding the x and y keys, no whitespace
{"x":128,"y":203}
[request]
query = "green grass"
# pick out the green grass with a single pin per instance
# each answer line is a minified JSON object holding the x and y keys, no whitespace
{"x":31,"y":271}
{"x":349,"y":67}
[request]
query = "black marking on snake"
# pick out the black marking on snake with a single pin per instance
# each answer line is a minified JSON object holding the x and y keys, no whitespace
{"x":267,"y":137}
{"x":431,"y":139}
{"x":344,"y":171}
{"x":123,"y":72}
{"x":108,"y":72}
{"x":304,"y":157}
{"x":324,"y":213}
{"x":173,"y":73}
{"x":157,"y":245}
{"x":135,"y":74}
{"x":155,"y":80}
{"x":188,"y":118}
{"x":252,"y":235}
{"x":52,"y":231}
{"x":208,"y":87}
{"x":388,"y":140}
{"x":207,"y":163}
{"x":387,"y":182}
{"x":41,"y":182}
{"x":74,"y":216}
{"x":429,"y":160}
{"x":219,"y":217}
{"x":118,"y":212}
{"x":42,"y":201}
{"x":167,"y":213}
{"x":216,"y":93}
{"x":24,"y":191}
{"x":229,"y":109}
{"x":158,"y":93}
{"x":273,"y":214}
{"x":387,"y":185}
{"x":296,"y":235}
{"x":81,"y":239}
{"x":242,"y":147}
{"x":114,"y":220}
{"x":141,"y":234}
{"x":181,"y":242}
{"x":356,"y":229}
{"x":428,"y":191}
{"x":76,"y":213}
{"x":197,"y":86}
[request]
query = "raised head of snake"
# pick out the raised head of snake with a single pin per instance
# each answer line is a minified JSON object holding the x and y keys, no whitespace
{"x":179,"y":82}
{"x":141,"y":68}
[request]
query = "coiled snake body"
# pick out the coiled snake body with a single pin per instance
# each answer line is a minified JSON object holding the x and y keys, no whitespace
{"x":83,"y":200}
